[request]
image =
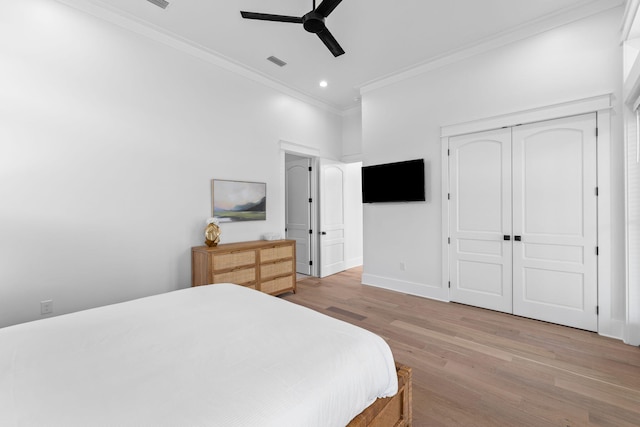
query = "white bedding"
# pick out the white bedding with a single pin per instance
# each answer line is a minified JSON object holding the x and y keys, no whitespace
{"x":218,"y":355}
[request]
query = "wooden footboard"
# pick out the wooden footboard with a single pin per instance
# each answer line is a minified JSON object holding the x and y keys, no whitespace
{"x":394,"y":411}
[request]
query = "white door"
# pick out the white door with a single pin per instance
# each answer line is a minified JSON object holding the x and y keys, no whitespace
{"x":298,"y":210}
{"x":332,"y":214}
{"x":555,"y":221}
{"x":480,"y":193}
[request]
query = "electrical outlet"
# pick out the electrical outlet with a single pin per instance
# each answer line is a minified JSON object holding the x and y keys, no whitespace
{"x":46,"y":307}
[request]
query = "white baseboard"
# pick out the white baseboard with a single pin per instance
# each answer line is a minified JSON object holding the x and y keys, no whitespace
{"x":632,"y":335}
{"x":354,"y":262}
{"x":419,"y":289}
{"x":612,"y":329}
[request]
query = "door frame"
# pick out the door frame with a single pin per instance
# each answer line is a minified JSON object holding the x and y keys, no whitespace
{"x":602,"y":106}
{"x":314,"y":155}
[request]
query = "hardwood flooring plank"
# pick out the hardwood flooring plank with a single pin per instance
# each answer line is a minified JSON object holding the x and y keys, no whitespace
{"x":346,"y":313}
{"x":476,"y":367}
{"x":480,"y":348}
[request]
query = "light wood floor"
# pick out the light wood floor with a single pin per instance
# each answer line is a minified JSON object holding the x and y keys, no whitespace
{"x":475,"y":367}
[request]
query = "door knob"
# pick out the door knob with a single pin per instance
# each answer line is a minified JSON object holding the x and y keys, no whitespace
{"x":507,"y":237}
{"x":323,"y":233}
{"x":517,"y":238}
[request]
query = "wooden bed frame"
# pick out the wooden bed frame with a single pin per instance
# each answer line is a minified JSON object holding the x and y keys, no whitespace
{"x":394,"y":411}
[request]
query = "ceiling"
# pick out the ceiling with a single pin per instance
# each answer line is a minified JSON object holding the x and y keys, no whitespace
{"x":380,"y":38}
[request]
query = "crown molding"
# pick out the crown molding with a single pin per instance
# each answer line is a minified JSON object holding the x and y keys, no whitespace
{"x":601,"y":102}
{"x":129,"y":22}
{"x":299,"y":149}
{"x":531,"y":28}
{"x":630,"y":14}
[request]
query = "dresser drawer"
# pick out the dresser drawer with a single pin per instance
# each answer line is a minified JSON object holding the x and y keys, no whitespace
{"x":239,"y":277}
{"x":276,"y":269}
{"x":278,"y":285}
{"x":267,"y":266}
{"x":273,"y":254}
{"x":232,"y":260}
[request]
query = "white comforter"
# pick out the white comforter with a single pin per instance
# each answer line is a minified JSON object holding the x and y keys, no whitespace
{"x":218,"y":355}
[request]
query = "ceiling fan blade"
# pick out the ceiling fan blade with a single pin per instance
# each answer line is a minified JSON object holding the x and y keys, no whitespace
{"x":327,"y":6}
{"x":269,"y":17}
{"x":330,"y":42}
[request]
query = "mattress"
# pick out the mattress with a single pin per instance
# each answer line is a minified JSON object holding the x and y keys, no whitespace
{"x":219,"y":355}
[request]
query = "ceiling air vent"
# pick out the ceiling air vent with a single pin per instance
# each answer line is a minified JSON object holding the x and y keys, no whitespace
{"x":279,"y":62}
{"x":160,"y":3}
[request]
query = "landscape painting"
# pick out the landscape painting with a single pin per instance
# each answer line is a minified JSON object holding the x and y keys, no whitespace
{"x":239,"y":200}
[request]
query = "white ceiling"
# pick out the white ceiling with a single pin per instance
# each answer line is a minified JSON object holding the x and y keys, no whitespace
{"x":380,"y":37}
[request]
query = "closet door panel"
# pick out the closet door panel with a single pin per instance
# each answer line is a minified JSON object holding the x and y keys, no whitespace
{"x":555,"y":213}
{"x":480,"y":187}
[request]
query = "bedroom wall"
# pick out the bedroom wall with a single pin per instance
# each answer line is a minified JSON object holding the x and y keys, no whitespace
{"x":108,"y":143}
{"x":402,"y":121}
{"x":352,"y":135}
{"x":352,"y":156}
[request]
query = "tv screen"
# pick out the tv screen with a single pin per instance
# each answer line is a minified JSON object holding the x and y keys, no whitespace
{"x":394,"y":182}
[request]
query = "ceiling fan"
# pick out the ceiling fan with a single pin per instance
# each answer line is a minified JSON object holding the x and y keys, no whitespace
{"x":313,"y":22}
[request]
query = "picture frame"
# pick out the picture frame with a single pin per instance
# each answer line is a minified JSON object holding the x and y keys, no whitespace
{"x":237,"y":201}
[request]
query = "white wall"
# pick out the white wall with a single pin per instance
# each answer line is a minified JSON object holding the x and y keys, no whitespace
{"x":352,"y":155}
{"x":402,"y":121}
{"x":352,"y":135}
{"x":108,"y":143}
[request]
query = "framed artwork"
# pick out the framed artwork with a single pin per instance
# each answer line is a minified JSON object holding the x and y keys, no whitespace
{"x":239,"y":200}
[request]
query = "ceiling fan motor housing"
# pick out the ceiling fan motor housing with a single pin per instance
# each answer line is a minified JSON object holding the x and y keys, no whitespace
{"x":313,"y":22}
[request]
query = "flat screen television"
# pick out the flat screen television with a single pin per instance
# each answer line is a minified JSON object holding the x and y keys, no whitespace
{"x":394,"y":182}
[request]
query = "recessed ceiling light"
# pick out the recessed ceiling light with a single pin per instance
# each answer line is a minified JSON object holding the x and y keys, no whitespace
{"x":324,"y":83}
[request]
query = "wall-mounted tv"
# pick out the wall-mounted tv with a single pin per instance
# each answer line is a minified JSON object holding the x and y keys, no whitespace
{"x":394,"y":182}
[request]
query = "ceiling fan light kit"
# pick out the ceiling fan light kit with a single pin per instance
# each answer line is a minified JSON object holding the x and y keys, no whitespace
{"x":312,"y":22}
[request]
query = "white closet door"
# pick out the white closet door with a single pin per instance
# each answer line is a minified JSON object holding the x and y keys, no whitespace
{"x":555,"y":214}
{"x":480,"y":192}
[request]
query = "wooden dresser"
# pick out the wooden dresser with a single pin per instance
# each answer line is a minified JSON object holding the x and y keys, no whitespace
{"x":267,"y":266}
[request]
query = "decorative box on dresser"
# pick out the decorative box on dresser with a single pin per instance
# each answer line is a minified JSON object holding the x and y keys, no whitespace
{"x":267,"y":266}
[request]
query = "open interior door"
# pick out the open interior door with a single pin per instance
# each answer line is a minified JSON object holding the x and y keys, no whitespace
{"x":298,"y":211}
{"x":332,"y":217}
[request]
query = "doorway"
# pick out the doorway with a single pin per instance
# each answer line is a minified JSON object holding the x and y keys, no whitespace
{"x":523,"y":220}
{"x":338,"y":187}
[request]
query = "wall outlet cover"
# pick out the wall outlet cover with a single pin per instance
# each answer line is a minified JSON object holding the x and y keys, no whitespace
{"x":46,"y":307}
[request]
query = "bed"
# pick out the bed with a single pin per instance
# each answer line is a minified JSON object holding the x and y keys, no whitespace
{"x":220,"y":355}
